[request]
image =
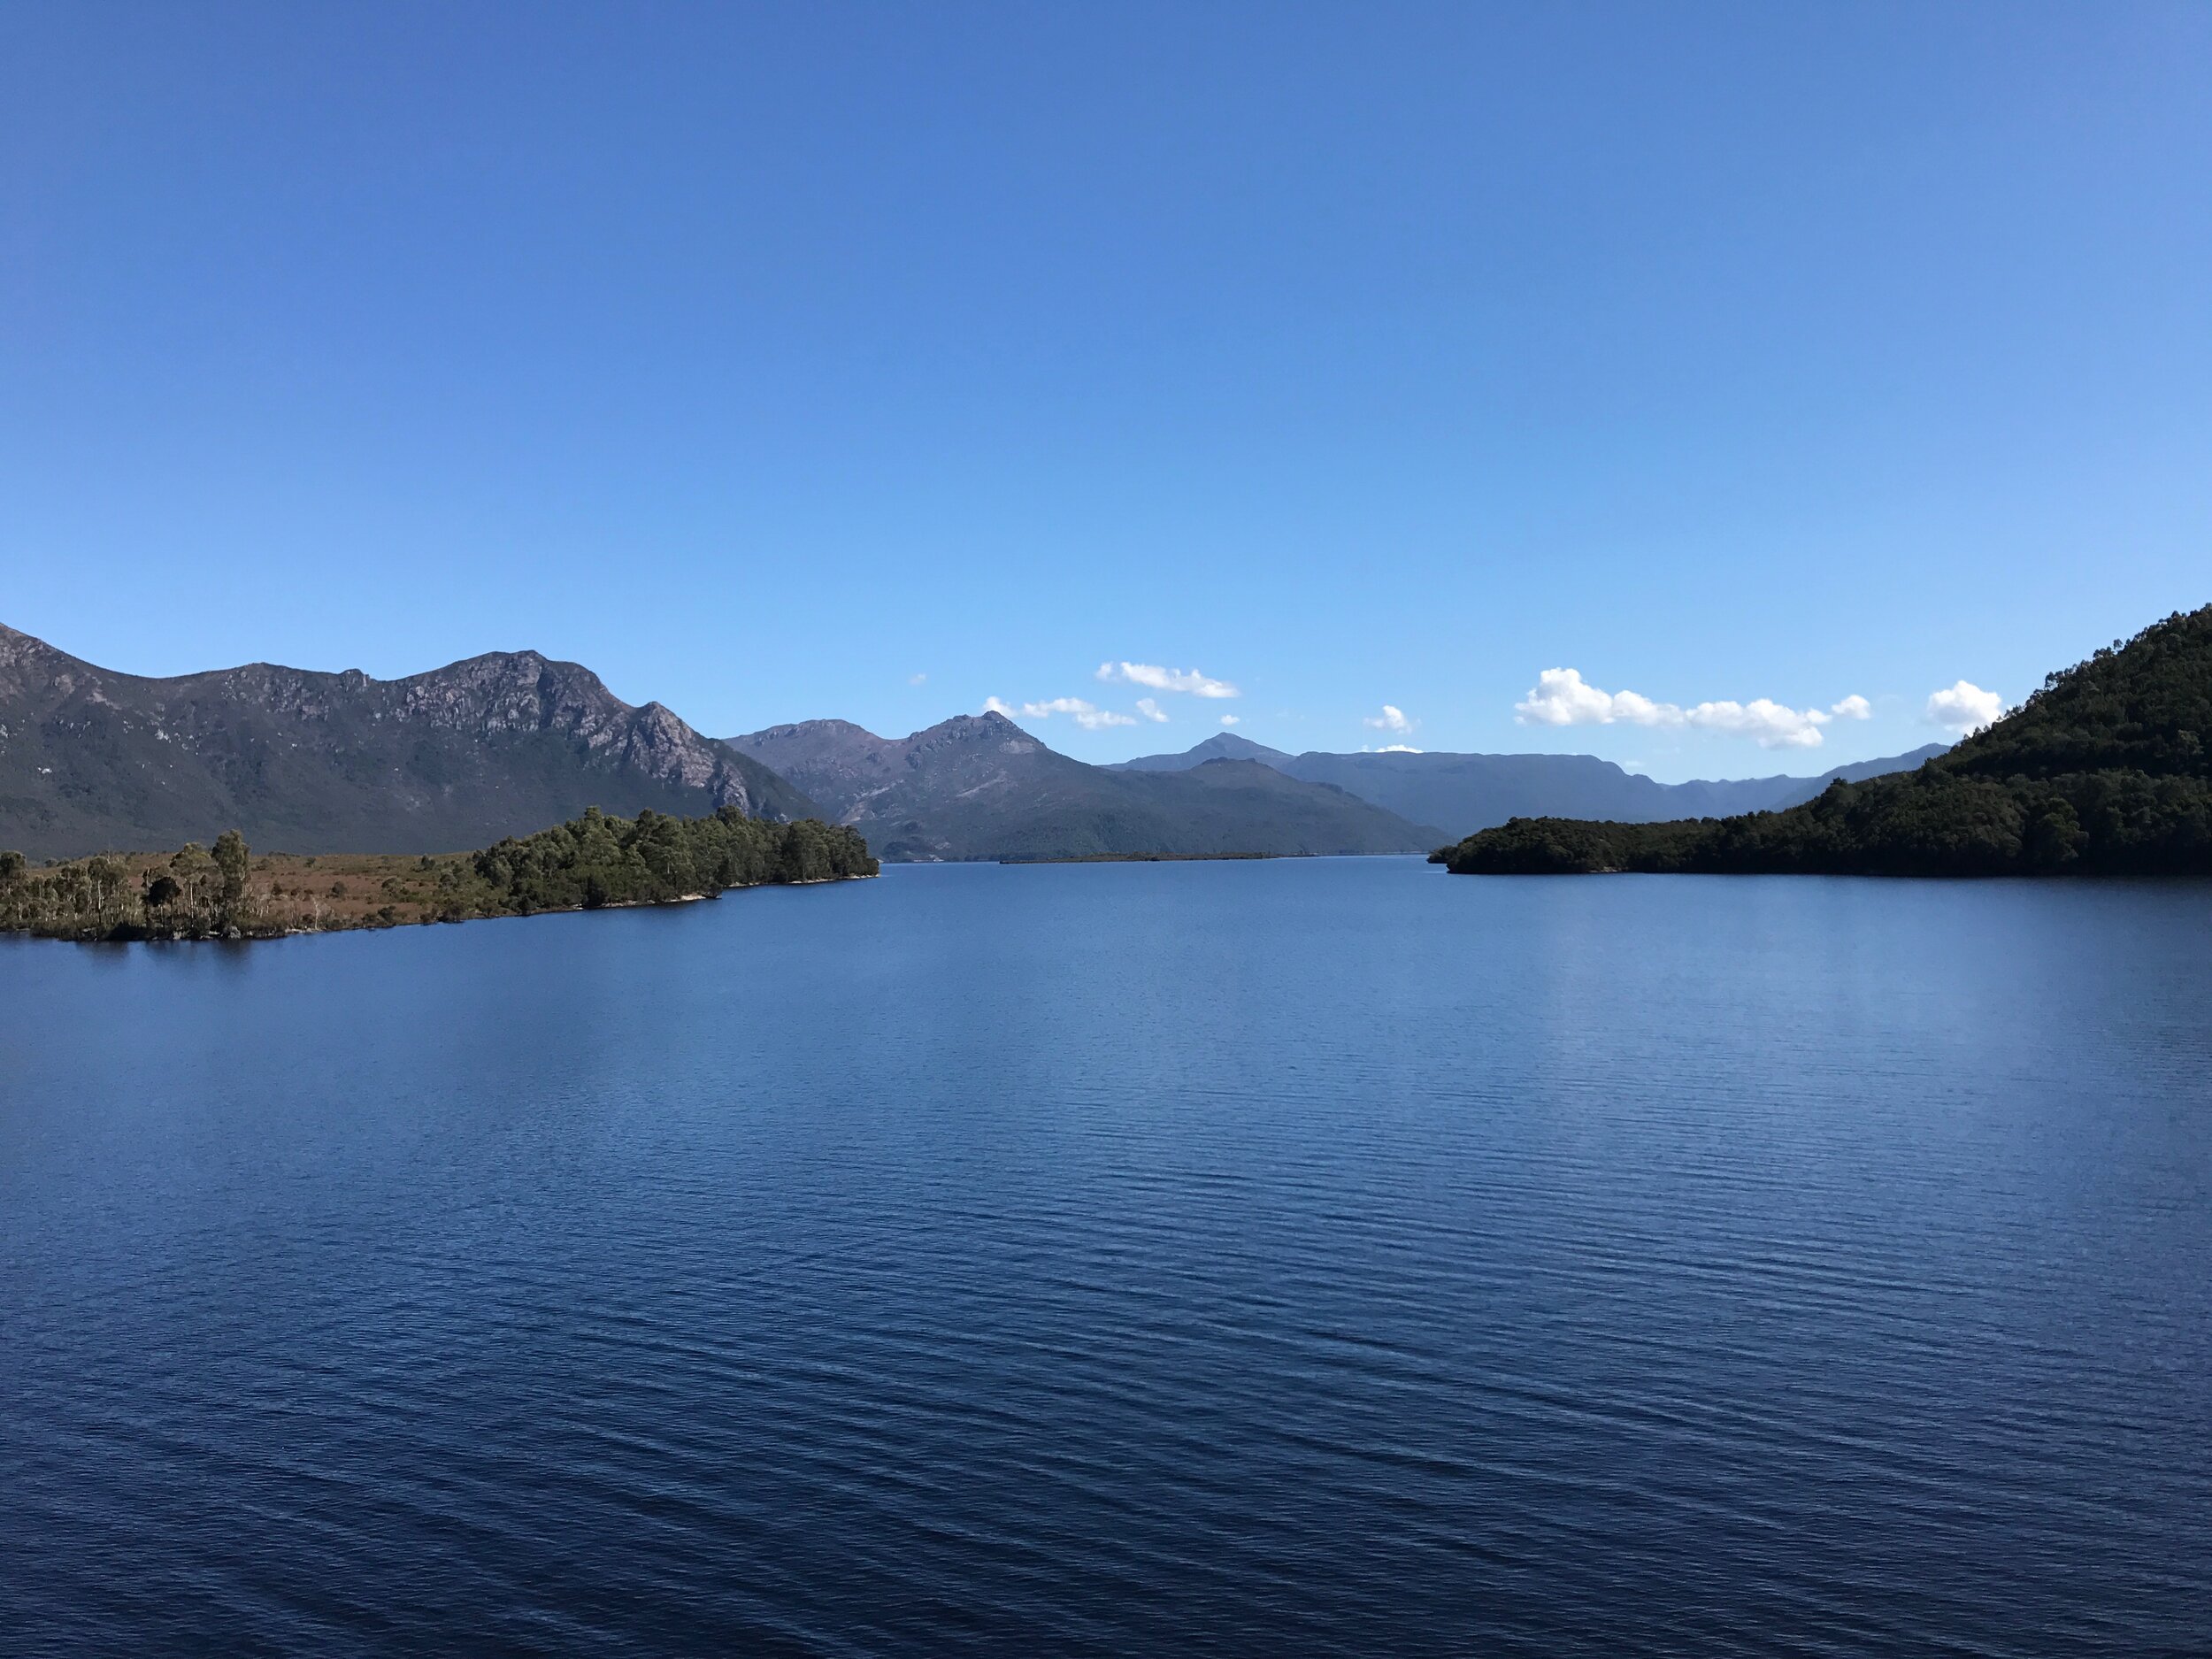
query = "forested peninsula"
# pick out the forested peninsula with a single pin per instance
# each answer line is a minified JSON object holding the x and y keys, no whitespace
{"x":590,"y":863}
{"x":2104,"y":771}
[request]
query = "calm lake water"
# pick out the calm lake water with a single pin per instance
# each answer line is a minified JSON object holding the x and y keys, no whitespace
{"x":1327,"y":1256}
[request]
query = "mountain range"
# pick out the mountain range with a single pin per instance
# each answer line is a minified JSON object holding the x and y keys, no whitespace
{"x":1465,"y":792}
{"x":978,"y":786}
{"x":508,"y":743}
{"x":461,"y":757}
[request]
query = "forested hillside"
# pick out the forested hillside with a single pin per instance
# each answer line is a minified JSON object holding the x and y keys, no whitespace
{"x":2104,"y":770}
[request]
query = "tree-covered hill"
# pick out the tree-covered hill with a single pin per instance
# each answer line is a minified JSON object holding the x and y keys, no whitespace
{"x":2102,"y":771}
{"x":590,"y":863}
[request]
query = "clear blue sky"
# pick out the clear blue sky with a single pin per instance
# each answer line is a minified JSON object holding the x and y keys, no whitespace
{"x":765,"y":358}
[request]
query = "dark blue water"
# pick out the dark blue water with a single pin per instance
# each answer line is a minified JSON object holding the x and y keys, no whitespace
{"x":1302,"y":1257}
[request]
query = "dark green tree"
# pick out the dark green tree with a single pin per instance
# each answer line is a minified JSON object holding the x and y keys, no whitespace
{"x":231,"y":860}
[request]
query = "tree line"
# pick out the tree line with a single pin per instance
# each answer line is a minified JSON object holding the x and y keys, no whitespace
{"x":586,"y":863}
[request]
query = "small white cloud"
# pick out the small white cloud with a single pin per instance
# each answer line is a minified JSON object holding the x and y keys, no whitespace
{"x":1151,"y":709}
{"x":1964,"y":707}
{"x":1773,"y":724}
{"x":1393,"y":718}
{"x":1154,"y":678}
{"x":1391,"y":748}
{"x":1561,"y":697}
{"x":916,"y":680}
{"x":1229,"y":720}
{"x":1089,"y":716}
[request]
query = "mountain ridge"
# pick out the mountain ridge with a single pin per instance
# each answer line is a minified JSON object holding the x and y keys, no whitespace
{"x":977,"y":785}
{"x":504,"y":742}
{"x":307,"y":760}
{"x":1463,"y":793}
{"x":1220,"y":746}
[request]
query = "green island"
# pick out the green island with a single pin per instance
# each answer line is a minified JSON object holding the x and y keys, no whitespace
{"x":2104,"y":771}
{"x":591,"y":862}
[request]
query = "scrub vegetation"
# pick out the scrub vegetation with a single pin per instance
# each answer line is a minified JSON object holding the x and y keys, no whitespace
{"x":590,"y":863}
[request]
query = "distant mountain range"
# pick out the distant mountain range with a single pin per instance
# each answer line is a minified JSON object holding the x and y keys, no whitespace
{"x":1465,"y":792}
{"x":979,"y":787}
{"x":498,"y":745}
{"x":507,"y":744}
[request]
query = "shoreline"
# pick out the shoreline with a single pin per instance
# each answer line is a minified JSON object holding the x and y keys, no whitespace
{"x":131,"y":933}
{"x":590,"y":863}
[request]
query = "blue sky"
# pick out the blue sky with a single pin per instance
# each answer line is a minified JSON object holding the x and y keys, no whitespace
{"x":873,"y":361}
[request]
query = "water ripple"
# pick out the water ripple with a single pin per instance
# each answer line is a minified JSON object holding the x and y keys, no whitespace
{"x":1327,"y":1258}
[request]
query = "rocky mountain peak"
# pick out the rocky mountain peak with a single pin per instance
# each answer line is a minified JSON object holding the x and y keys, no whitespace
{"x":989,"y":729}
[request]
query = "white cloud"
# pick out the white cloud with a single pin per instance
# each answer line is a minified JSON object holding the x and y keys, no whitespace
{"x":1964,"y":707}
{"x":1229,"y":720}
{"x":1393,"y":718}
{"x":1154,"y":678}
{"x":1391,"y":748}
{"x":1773,"y":724}
{"x":1151,"y":709}
{"x":916,"y":680}
{"x":1561,"y":697}
{"x":1089,"y":716}
{"x":1638,"y":710}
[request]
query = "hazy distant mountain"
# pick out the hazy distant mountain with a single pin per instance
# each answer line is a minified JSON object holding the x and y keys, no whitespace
{"x":979,"y":787}
{"x":1221,"y":745}
{"x":1465,"y":792}
{"x":306,"y":762}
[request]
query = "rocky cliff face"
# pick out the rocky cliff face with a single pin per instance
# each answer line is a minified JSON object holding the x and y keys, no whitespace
{"x":498,"y":744}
